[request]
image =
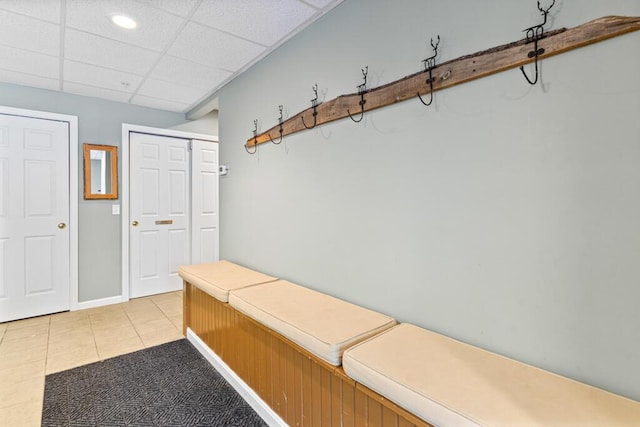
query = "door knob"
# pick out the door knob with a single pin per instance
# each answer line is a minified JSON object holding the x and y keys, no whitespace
{"x":134,"y":223}
{"x":62,"y":225}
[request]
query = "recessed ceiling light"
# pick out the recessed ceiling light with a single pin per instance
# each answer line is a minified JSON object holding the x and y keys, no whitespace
{"x":124,"y":22}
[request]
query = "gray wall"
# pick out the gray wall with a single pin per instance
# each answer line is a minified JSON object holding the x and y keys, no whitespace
{"x":504,"y":215}
{"x":207,"y":124}
{"x":99,"y":122}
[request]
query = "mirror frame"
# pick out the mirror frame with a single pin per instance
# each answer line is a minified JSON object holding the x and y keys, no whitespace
{"x":87,"y":171}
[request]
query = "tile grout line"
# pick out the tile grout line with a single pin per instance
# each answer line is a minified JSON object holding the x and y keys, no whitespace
{"x":165,"y":314}
{"x":46,"y":353}
{"x":134,"y":327}
{"x":93,"y":335}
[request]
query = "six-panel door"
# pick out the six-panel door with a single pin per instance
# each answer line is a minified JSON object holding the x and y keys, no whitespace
{"x":34,"y":217}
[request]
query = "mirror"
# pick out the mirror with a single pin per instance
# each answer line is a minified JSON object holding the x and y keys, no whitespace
{"x":100,"y":171}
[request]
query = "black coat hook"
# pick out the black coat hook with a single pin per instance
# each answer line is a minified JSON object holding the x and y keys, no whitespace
{"x":314,"y":104}
{"x":255,"y":138}
{"x":362,"y":89}
{"x":429,"y":65}
{"x":534,"y":34}
{"x":279,"y":121}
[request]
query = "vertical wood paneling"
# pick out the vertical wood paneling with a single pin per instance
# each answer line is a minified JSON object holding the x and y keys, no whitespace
{"x":185,"y":312}
{"x":336,"y":400}
{"x":226,"y":347}
{"x":348,"y":404}
{"x":325,"y":379}
{"x":374,"y":413}
{"x":275,"y":374}
{"x":265,"y":371}
{"x":291,"y":387}
{"x":297,"y":391}
{"x":361,"y":409}
{"x":268,"y":368}
{"x":300,"y":388}
{"x":316,"y":394}
{"x":282,"y":395}
{"x":307,"y":398}
{"x":389,"y":418}
{"x":402,"y":422}
{"x":254,"y":337}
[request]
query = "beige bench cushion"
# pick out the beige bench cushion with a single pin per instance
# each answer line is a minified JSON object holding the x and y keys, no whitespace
{"x":449,"y":383}
{"x":218,"y":278}
{"x":323,"y":325}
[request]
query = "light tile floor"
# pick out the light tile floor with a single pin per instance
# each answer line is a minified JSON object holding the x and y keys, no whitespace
{"x":33,"y":348}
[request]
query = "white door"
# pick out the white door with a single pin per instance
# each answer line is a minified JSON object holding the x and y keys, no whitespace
{"x":159,"y":212}
{"x":34,"y":213}
{"x":204,"y":189}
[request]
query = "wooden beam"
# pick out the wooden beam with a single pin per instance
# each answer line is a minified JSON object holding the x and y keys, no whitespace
{"x":454,"y":72}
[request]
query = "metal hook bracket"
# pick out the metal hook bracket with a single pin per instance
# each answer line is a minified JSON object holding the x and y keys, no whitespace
{"x":362,"y":89}
{"x":255,"y":139}
{"x":281,"y":130}
{"x":314,"y":105}
{"x":429,"y":65}
{"x":533,"y":35}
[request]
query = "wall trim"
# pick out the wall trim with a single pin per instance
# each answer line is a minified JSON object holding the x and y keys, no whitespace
{"x":73,"y":189}
{"x":247,"y":393}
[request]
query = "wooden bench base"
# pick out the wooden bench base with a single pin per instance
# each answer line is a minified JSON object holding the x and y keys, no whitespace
{"x":302,"y":389}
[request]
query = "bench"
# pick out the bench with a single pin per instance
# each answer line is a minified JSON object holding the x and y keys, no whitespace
{"x":319,"y":361}
{"x":450,"y":383}
{"x":206,"y":291}
{"x":300,"y":381}
{"x":323,"y":325}
{"x":219,"y":278}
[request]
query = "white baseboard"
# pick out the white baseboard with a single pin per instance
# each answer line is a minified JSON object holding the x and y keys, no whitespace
{"x":258,"y":405}
{"x":99,"y":302}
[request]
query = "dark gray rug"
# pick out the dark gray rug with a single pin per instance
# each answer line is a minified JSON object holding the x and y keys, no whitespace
{"x":167,"y":385}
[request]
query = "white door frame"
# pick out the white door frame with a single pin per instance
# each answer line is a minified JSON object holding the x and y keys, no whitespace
{"x":126,"y":130}
{"x":73,"y":189}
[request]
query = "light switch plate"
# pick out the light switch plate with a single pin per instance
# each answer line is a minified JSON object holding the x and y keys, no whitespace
{"x":115,"y":209}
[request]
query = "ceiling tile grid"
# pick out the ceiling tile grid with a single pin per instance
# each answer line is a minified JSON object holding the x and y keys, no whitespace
{"x":261,"y":21}
{"x":156,"y":28}
{"x":46,"y":10}
{"x":214,"y":48}
{"x":178,"y":7}
{"x":23,"y":79}
{"x":178,"y":56}
{"x":29,"y":63}
{"x":177,"y":70}
{"x":30,"y":34}
{"x":96,"y":92}
{"x":111,"y":54}
{"x":91,"y":75}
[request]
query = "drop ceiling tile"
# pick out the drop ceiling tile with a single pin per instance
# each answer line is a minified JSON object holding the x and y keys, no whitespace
{"x":99,"y":56}
{"x":161,"y":104}
{"x":23,"y":61}
{"x":321,"y":4}
{"x":155,"y":30}
{"x":213,"y":48}
{"x":262,"y":21}
{"x":47,"y":10}
{"x":28,"y":33}
{"x":95,"y":50}
{"x":96,"y":92}
{"x":169,"y":91}
{"x":177,"y":7}
{"x":28,"y":80}
{"x":91,"y":75}
{"x":176,"y":70}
